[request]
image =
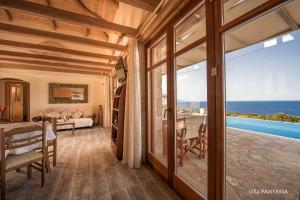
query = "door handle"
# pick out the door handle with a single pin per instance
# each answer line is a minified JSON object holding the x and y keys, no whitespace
{"x":166,"y":111}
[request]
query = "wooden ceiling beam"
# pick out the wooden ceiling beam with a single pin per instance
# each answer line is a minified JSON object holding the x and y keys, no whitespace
{"x":54,"y":64}
{"x":53,"y":58}
{"x":148,"y":5}
{"x":7,"y":14}
{"x":87,"y":32}
{"x":49,"y":69}
{"x":67,"y":16}
{"x":52,"y":22}
{"x":57,"y":49}
{"x":59,"y":36}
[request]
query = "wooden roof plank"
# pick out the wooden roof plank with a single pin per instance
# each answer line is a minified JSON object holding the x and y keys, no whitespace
{"x":64,"y":15}
{"x":148,"y":5}
{"x":56,"y":49}
{"x":54,"y":64}
{"x":59,"y":36}
{"x":53,"y":58}
{"x":41,"y":68}
{"x":287,"y":18}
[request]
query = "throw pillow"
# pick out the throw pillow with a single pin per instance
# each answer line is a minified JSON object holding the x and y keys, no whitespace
{"x":87,"y":114}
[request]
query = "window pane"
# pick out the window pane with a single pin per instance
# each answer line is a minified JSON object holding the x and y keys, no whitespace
{"x":191,"y":118}
{"x":159,"y":51}
{"x":191,"y":29}
{"x":263,"y":108}
{"x":235,"y":8}
{"x":158,"y":106}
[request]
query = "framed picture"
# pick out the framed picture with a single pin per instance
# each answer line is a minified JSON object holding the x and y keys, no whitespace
{"x":68,"y":93}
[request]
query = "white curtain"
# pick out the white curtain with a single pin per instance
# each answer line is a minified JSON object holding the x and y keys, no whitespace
{"x":107,"y":105}
{"x":132,"y":147}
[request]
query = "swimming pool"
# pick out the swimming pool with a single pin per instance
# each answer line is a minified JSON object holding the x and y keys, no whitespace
{"x":289,"y":130}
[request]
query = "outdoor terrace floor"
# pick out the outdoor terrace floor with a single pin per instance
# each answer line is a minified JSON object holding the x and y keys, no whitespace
{"x":253,"y":161}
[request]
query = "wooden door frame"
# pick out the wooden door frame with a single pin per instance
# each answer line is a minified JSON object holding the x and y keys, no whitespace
{"x":26,"y":97}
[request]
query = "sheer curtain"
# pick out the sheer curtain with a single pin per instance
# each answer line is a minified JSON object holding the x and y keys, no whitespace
{"x":132,"y":147}
{"x":107,"y":104}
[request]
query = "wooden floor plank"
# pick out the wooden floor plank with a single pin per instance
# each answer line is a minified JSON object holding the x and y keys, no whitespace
{"x":99,"y":186}
{"x":121,"y":195}
{"x":53,"y":178}
{"x":136,"y":193}
{"x":88,"y":169}
{"x":65,"y":185}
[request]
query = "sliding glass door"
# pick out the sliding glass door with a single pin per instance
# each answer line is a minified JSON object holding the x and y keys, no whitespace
{"x":263,"y":105}
{"x":177,"y":103}
{"x":223,"y":100}
{"x":191,"y":136}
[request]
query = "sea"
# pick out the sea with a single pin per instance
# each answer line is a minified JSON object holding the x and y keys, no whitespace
{"x":253,"y":107}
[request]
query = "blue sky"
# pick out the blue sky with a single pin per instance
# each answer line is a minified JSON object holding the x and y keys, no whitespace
{"x":252,"y":73}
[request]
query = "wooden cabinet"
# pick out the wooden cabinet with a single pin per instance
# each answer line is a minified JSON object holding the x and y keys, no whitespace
{"x":118,"y":121}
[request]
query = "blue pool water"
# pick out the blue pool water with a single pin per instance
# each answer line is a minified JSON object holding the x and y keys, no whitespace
{"x":290,"y":130}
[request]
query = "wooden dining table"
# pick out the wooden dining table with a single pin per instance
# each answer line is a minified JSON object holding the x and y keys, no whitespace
{"x":50,"y":136}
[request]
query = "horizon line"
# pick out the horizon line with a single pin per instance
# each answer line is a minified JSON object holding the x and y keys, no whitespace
{"x":239,"y":100}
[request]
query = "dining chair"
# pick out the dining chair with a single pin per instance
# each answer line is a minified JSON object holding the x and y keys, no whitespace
{"x":2,"y":110}
{"x":18,"y":138}
{"x":51,"y":144}
{"x":198,"y":145}
{"x":181,"y":141}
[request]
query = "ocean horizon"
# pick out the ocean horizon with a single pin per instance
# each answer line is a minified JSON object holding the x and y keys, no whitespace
{"x":290,"y":107}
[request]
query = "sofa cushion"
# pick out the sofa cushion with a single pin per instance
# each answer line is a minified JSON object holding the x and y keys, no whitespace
{"x":79,"y":123}
{"x":83,"y":122}
{"x":77,"y":115}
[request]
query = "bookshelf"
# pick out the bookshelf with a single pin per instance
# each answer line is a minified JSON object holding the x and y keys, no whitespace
{"x":118,"y":120}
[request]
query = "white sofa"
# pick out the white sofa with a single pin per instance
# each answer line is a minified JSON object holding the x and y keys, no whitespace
{"x":83,"y":117}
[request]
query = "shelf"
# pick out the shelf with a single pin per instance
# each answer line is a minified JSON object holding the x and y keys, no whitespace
{"x":117,"y":130}
{"x":115,"y":126}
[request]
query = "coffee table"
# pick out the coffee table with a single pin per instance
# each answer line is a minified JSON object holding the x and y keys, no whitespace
{"x":67,"y":123}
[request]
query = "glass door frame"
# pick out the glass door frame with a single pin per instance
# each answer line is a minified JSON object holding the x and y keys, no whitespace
{"x":183,"y":188}
{"x":157,"y":165}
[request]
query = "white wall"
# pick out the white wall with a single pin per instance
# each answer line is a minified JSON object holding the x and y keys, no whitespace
{"x":39,"y":87}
